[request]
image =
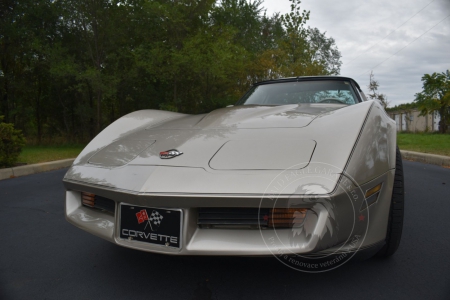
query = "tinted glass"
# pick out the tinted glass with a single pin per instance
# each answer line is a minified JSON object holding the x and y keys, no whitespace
{"x":323,"y":91}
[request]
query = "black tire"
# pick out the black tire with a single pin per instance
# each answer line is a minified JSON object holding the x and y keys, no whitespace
{"x":395,"y":223}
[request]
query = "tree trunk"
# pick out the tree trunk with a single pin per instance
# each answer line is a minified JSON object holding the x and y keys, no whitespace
{"x":91,"y":119}
{"x":4,"y":101}
{"x":38,"y":113}
{"x":175,"y":94}
{"x":4,"y":106}
{"x":99,"y":112}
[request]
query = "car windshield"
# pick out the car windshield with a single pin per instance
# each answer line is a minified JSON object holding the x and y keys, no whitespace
{"x":282,"y":93}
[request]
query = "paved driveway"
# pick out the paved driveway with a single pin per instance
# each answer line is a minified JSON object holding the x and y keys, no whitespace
{"x":44,"y":257}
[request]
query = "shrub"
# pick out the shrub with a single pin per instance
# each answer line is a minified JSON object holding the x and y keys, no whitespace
{"x":11,"y":143}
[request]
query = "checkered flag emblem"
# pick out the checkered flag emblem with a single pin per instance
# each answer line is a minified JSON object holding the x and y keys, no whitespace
{"x":156,"y":218}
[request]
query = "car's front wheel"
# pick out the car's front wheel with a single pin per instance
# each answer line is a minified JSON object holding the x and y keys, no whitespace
{"x":395,"y":224}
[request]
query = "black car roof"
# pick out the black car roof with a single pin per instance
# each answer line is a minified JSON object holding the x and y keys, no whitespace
{"x":308,"y":78}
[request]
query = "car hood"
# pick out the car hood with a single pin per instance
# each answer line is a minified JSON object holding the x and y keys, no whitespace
{"x":237,"y":138}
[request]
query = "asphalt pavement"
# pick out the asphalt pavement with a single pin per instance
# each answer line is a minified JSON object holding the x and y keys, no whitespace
{"x":44,"y":257}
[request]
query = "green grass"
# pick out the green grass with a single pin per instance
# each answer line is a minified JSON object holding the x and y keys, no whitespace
{"x":38,"y":154}
{"x":425,"y":142}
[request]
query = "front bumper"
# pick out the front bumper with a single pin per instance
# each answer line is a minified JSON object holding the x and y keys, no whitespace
{"x":330,"y":228}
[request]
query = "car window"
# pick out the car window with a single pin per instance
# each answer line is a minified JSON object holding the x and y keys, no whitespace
{"x":282,"y":93}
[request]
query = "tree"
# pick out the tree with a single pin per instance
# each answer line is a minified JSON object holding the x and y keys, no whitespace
{"x":294,"y":49}
{"x":69,"y":68}
{"x":305,"y":51}
{"x":325,"y":51}
{"x":373,"y":88}
{"x":435,"y":97}
{"x":11,"y":143}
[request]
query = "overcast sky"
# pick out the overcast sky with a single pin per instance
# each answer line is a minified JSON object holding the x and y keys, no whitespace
{"x":400,"y":40}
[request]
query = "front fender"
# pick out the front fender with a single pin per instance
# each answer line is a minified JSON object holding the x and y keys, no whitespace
{"x":374,"y":153}
{"x":124,"y":126}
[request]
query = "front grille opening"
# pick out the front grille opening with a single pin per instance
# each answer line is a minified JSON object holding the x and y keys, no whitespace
{"x":99,"y":202}
{"x":250,"y":218}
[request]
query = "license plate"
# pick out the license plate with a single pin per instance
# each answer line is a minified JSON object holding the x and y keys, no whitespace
{"x":151,"y":225}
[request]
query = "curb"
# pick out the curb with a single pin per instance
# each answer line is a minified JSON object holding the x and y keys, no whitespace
{"x":433,"y":159}
{"x":35,"y":168}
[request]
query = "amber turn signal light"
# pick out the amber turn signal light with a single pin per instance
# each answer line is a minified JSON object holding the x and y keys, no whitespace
{"x":88,"y":199}
{"x":286,"y":217}
{"x":373,"y":190}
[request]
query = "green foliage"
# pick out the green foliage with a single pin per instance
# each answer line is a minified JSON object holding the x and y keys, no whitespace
{"x":435,"y":97}
{"x":374,"y":95}
{"x":69,"y":68}
{"x":168,"y":107}
{"x":324,"y":51}
{"x":11,"y":143}
{"x":404,"y":106}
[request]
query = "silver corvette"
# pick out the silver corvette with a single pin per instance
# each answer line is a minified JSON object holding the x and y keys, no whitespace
{"x":298,"y":167}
